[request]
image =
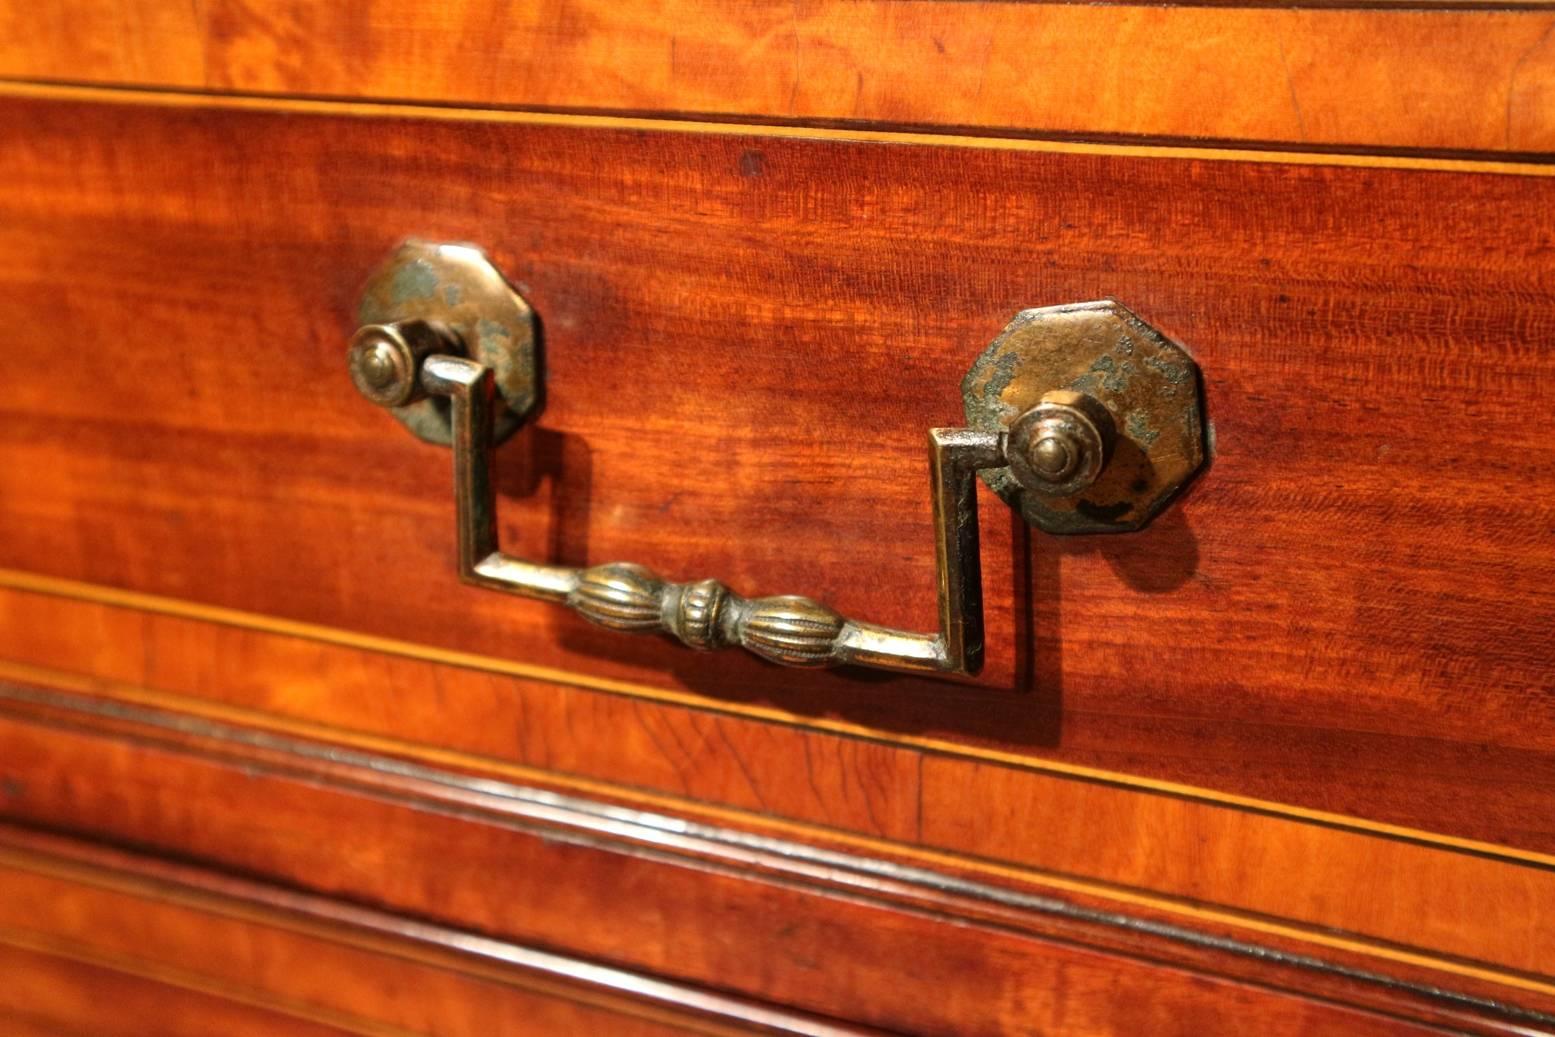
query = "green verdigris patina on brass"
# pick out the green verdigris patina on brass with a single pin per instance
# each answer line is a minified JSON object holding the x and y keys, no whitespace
{"x":1148,"y":385}
{"x":457,"y":286}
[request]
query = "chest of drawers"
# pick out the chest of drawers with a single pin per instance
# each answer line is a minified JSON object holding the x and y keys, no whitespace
{"x":1280,"y":761}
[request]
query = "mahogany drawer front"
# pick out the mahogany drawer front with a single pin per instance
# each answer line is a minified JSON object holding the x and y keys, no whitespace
{"x":745,"y":337}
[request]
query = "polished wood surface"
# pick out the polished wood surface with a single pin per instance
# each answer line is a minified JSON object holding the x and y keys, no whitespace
{"x":103,"y":942}
{"x":821,"y":931}
{"x":1463,"y":77}
{"x":1113,"y":837}
{"x":46,"y":995}
{"x":1342,"y":614}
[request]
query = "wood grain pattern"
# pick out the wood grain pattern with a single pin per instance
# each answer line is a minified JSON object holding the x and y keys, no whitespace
{"x":689,"y":903}
{"x":1343,"y":613}
{"x":1479,"y":80}
{"x":1171,"y":848}
{"x":48,"y":996}
{"x":841,"y":782}
{"x":110,"y":943}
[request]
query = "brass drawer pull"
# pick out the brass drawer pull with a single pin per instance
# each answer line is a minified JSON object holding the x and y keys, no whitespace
{"x":432,"y":304}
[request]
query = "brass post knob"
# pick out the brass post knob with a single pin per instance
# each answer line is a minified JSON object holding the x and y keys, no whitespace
{"x":385,"y":359}
{"x":1060,"y":446}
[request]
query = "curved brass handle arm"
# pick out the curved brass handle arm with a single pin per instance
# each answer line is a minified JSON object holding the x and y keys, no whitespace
{"x":705,"y":614}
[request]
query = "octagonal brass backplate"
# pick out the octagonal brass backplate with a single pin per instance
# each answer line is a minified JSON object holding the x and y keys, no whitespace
{"x":1148,"y":384}
{"x":457,"y":286}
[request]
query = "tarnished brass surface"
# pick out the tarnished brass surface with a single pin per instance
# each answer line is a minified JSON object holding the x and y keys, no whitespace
{"x":1103,"y":414}
{"x":1084,"y":415}
{"x":457,"y":289}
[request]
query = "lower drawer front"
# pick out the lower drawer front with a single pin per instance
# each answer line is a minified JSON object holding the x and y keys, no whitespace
{"x":405,"y":899}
